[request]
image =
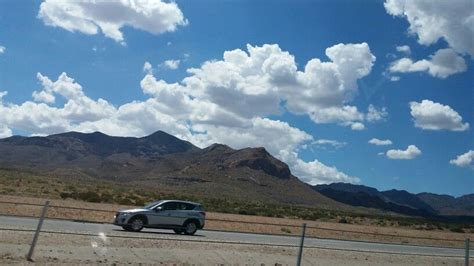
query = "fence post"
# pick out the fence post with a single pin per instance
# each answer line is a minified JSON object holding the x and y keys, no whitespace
{"x":300,"y":252}
{"x":38,"y":229}
{"x":466,"y":258}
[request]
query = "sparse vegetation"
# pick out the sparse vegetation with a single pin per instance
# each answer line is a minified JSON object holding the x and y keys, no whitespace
{"x":456,"y":229}
{"x":101,"y":191}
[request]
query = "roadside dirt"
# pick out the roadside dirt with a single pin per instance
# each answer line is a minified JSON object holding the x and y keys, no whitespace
{"x":246,"y":223}
{"x":73,"y":249}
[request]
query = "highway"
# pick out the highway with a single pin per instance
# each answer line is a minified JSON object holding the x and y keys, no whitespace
{"x":63,"y":226}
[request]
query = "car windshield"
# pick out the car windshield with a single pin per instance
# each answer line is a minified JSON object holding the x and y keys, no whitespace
{"x":153,"y":204}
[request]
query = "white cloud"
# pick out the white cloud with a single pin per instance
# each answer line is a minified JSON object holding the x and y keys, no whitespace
{"x":5,"y":132}
{"x":41,"y":118}
{"x":444,"y":63}
{"x":404,"y":49}
{"x":222,"y":101}
{"x":410,"y":153}
{"x":90,"y":16}
{"x":329,"y":142}
{"x":394,"y":78}
{"x":2,"y":94}
{"x":2,"y":49}
{"x":172,"y":64}
{"x":435,"y":116}
{"x":433,"y":20}
{"x":357,"y":126}
{"x":374,"y":114}
{"x":464,"y":160}
{"x":147,"y":67}
{"x":315,"y":172}
{"x":380,"y":142}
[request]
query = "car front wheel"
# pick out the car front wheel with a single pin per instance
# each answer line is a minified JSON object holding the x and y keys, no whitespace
{"x":136,"y":224}
{"x":190,"y":228}
{"x":178,"y":231}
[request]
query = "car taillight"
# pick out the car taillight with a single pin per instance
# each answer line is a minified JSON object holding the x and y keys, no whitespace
{"x":203,"y":213}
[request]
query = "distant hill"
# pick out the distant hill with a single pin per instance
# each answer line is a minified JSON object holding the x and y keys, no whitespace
{"x":449,"y":205}
{"x":163,"y":162}
{"x":399,"y":201}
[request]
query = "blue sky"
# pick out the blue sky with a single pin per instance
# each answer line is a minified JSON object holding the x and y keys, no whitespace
{"x":422,"y":95}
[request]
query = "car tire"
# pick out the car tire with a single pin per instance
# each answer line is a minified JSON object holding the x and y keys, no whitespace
{"x":190,"y":228}
{"x":126,"y":228}
{"x":178,"y":231}
{"x":136,"y":224}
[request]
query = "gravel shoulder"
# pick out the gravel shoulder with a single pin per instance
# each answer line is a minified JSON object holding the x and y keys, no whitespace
{"x":73,"y":249}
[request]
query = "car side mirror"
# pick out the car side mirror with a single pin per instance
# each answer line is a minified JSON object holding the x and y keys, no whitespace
{"x":159,"y":208}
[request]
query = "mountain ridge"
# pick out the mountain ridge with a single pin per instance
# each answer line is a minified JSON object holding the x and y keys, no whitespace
{"x":163,"y":162}
{"x":400,"y":201}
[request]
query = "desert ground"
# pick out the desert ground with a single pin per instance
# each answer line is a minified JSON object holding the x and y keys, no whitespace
{"x":68,"y":249}
{"x":103,"y":213}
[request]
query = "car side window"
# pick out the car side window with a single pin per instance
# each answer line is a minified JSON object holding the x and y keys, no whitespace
{"x":189,"y":206}
{"x":169,"y":206}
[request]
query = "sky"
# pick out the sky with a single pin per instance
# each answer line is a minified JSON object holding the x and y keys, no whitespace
{"x":379,"y":93}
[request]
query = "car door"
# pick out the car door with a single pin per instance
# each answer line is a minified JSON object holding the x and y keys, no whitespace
{"x":181,"y":213}
{"x":162,"y":214}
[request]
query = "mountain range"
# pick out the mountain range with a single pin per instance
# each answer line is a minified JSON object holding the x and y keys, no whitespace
{"x":165,"y":163}
{"x":399,"y":201}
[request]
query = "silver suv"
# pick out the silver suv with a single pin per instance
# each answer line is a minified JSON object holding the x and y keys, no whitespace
{"x":181,"y":216}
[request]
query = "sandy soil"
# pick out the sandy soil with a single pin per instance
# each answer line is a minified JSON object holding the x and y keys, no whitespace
{"x":70,"y":249}
{"x":233,"y":222}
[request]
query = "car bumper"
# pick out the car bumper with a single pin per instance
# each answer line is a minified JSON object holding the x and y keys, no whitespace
{"x":120,"y":220}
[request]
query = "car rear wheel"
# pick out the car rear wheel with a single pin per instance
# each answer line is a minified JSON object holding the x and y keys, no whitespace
{"x":178,"y":231}
{"x":136,"y":224}
{"x":127,"y":228}
{"x":190,"y":228}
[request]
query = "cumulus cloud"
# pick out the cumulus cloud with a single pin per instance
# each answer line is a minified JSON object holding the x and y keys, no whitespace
{"x":2,"y":49}
{"x":404,"y":49}
{"x":224,"y":101}
{"x":182,"y":109}
{"x":90,"y":16}
{"x":380,"y":142}
{"x":315,"y":172}
{"x":410,"y":153}
{"x":464,"y":160}
{"x":41,"y":118}
{"x":171,"y":64}
{"x":357,"y":126}
{"x":435,"y":116}
{"x":433,"y":20}
{"x":444,"y":63}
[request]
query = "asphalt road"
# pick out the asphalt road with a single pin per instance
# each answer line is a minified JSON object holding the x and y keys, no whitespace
{"x":11,"y":222}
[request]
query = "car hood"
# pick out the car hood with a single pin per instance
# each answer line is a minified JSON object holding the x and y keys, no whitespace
{"x":134,"y":210}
